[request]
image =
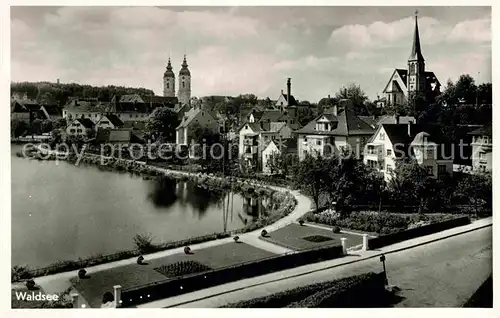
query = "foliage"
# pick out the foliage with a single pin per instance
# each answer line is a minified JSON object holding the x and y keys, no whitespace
{"x":46,"y":92}
{"x":309,"y":175}
{"x":46,"y":126}
{"x":336,"y":229}
{"x":143,"y":242}
{"x":30,"y":284}
{"x":356,"y":97}
{"x":140,"y":260}
{"x":18,"y":127}
{"x":161,"y":125}
{"x":59,"y":123}
{"x":187,"y":250}
{"x":290,"y":296}
{"x":263,"y":233}
{"x":382,"y":223}
{"x":282,"y":162}
{"x":182,"y":268}
{"x":236,"y":238}
{"x":82,"y":273}
{"x":36,"y":127}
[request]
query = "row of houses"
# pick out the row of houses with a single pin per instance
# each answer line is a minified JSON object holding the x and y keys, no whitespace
{"x":379,"y":142}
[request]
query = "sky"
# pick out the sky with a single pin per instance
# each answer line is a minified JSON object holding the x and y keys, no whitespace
{"x":239,"y":50}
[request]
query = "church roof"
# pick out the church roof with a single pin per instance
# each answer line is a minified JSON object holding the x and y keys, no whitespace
{"x":169,"y":73}
{"x":416,"y":52}
{"x":184,"y":68}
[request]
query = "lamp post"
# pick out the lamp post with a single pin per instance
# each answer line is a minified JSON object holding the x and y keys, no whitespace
{"x":382,"y":259}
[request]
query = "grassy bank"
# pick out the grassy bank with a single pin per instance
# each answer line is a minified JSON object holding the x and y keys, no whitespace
{"x":282,"y":203}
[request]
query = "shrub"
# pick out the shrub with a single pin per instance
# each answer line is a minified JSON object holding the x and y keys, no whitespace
{"x":140,"y":259}
{"x":143,"y":243}
{"x":30,"y":284}
{"x":82,"y":273}
{"x":182,"y":268}
{"x":236,"y":238}
{"x":263,"y":233}
{"x":19,"y":272}
{"x":187,"y":250}
{"x":336,"y":229}
{"x":301,"y":222}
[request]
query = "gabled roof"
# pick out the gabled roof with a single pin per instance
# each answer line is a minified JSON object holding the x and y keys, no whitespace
{"x":160,"y":100}
{"x":85,"y":122}
{"x":370,"y":120}
{"x":256,"y":127}
{"x":190,"y":115}
{"x":348,"y":124}
{"x":293,"y":101}
{"x":390,"y":119}
{"x":270,"y":115}
{"x":113,"y":119}
{"x":26,"y":105}
{"x":52,"y":109}
{"x":398,"y":135}
{"x":288,"y":145}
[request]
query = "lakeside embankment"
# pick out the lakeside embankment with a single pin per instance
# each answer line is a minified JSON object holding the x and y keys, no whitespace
{"x":282,"y":203}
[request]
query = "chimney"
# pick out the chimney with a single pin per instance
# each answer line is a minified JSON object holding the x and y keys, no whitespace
{"x":289,"y":90}
{"x":58,"y":81}
{"x":328,"y":96}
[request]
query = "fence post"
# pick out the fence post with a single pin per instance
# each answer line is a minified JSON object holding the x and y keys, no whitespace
{"x":365,"y":242}
{"x":344,"y":245}
{"x":118,"y":295}
{"x":74,"y":300}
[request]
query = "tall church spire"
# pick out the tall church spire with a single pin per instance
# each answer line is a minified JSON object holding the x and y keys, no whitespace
{"x":416,"y":53}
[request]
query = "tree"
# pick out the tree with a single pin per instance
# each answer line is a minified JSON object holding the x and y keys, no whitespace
{"x":281,"y":162}
{"x":356,"y":96}
{"x":46,"y":126}
{"x":161,"y":124}
{"x":59,"y":123}
{"x":309,"y":175}
{"x":475,"y":190}
{"x":36,"y":126}
{"x":17,"y":127}
{"x":90,"y":133}
{"x":209,"y":149}
{"x":305,"y":115}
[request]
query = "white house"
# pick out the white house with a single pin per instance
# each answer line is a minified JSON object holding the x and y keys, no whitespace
{"x":109,"y":121}
{"x":276,"y":147}
{"x":331,"y":133}
{"x":482,"y":149}
{"x":79,"y":126}
{"x":398,"y":141}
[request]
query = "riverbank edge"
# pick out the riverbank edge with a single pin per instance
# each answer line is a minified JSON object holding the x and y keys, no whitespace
{"x":284,"y":203}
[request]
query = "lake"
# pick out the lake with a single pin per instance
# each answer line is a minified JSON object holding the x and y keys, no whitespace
{"x":62,"y":212}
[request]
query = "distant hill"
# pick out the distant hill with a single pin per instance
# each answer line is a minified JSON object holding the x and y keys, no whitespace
{"x":46,"y":92}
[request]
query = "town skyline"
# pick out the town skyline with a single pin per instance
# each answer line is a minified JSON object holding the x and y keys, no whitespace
{"x":319,"y":48}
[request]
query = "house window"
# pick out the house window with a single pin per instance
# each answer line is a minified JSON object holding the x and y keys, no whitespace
{"x":382,"y":136}
{"x":482,"y":156}
{"x":486,"y":140}
{"x":388,"y":168}
{"x":305,"y":139}
{"x":72,"y":131}
{"x":183,"y":84}
{"x":441,"y":169}
{"x":318,"y":142}
{"x":389,"y":152}
{"x":78,"y":130}
{"x":168,"y":85}
{"x":429,"y":170}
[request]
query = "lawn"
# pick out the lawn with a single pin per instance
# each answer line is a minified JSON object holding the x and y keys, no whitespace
{"x":299,"y":237}
{"x":133,"y":275}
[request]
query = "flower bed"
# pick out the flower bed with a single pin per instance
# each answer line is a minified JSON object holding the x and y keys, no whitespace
{"x":381,"y":223}
{"x":182,"y":268}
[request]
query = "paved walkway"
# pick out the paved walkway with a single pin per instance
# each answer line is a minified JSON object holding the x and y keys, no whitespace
{"x":267,"y":284}
{"x":58,"y":282}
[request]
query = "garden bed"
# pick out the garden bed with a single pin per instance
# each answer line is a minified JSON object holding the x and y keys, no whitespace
{"x":298,"y":237}
{"x":381,"y":223}
{"x":135,"y":275}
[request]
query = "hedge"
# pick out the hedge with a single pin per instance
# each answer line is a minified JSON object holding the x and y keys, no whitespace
{"x":192,"y":282}
{"x":393,"y":238}
{"x":308,"y":296}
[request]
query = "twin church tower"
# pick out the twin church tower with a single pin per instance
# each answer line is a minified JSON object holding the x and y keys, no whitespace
{"x":184,"y":93}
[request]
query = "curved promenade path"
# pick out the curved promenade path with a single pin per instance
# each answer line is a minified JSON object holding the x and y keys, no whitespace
{"x":59,"y":282}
